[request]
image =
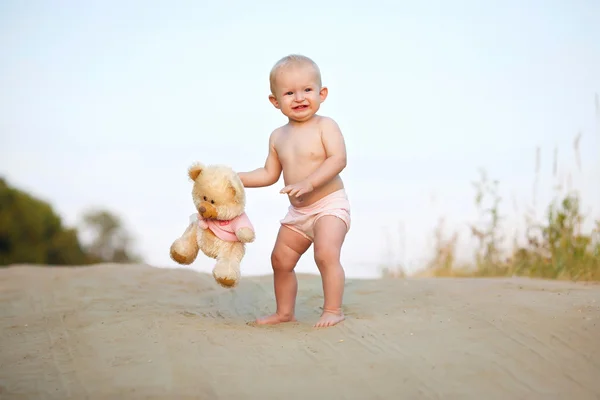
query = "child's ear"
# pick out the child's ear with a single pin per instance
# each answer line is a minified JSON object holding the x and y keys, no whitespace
{"x":274,"y":101}
{"x":195,"y":170}
{"x":323,"y":93}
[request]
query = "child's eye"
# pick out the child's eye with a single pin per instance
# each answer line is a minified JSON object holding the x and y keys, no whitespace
{"x":289,"y":93}
{"x":307,"y":90}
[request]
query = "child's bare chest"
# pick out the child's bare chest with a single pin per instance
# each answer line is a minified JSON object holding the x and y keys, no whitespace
{"x":300,"y":147}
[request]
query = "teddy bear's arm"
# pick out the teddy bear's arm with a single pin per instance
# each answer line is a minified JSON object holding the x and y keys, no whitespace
{"x":245,"y":235}
{"x":244,"y":229}
{"x":195,"y":218}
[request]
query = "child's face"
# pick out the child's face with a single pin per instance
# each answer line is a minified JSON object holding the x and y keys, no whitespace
{"x":297,"y":93}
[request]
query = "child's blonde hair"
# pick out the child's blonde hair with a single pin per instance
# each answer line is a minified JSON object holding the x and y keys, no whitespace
{"x":293,"y":59}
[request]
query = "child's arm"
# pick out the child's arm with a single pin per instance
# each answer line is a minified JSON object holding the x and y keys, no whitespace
{"x":267,"y":175}
{"x":335,"y":148}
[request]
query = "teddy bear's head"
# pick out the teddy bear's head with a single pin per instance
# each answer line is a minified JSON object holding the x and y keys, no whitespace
{"x":218,"y":192}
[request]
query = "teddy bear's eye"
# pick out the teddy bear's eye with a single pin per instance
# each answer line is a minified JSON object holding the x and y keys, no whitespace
{"x":205,"y":199}
{"x":212,"y":202}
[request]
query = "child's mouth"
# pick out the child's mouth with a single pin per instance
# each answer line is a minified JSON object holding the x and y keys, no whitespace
{"x":300,"y":107}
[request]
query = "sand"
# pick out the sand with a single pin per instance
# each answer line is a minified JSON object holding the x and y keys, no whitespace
{"x":133,"y":332}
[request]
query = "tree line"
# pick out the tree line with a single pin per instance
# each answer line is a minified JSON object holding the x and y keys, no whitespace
{"x":31,"y":232}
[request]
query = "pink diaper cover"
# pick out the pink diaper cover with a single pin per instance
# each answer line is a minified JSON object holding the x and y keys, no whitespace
{"x":302,"y":219}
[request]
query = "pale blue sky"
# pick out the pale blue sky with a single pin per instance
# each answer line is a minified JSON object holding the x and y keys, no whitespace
{"x":107,"y":103}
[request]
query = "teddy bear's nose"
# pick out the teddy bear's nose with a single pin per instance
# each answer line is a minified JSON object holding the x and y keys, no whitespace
{"x":202,"y":209}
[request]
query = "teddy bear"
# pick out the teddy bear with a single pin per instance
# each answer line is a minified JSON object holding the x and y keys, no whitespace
{"x":221,"y":227}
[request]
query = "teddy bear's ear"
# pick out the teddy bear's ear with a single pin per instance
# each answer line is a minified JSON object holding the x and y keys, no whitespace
{"x":232,"y":189}
{"x":195,"y":170}
{"x":236,"y":187}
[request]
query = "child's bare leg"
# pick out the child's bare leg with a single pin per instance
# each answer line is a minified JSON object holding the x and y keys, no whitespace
{"x":330,"y":233}
{"x":289,"y":246}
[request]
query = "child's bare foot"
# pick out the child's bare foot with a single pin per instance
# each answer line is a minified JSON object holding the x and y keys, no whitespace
{"x":329,"y":318}
{"x":275,"y":319}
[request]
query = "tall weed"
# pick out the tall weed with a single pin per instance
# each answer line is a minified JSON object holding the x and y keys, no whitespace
{"x":555,"y":247}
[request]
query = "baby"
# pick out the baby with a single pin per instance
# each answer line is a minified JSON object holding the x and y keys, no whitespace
{"x":310,"y":151}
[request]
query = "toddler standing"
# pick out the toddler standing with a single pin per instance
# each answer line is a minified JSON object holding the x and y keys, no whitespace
{"x":310,"y":151}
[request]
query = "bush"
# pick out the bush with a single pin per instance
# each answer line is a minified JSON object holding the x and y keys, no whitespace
{"x":556,"y":248}
{"x":31,"y":232}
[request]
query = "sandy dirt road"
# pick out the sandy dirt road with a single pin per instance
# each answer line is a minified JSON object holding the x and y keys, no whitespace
{"x":136,"y":332}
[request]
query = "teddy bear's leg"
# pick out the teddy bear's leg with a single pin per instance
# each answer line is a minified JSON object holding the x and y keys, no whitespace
{"x":227,"y":269}
{"x":184,"y":249}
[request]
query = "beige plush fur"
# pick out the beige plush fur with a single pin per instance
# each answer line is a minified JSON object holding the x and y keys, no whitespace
{"x":218,"y":194}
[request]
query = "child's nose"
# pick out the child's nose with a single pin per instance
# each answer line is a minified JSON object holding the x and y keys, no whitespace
{"x":299,"y":96}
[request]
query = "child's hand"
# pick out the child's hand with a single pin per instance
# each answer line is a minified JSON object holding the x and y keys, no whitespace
{"x":298,"y":189}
